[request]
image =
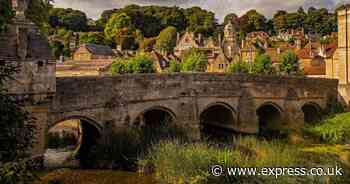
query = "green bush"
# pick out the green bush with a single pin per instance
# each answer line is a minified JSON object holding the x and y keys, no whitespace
{"x":263,"y":65}
{"x":194,"y":61}
{"x":174,"y":66}
{"x":138,"y":64}
{"x":17,"y":173}
{"x":240,"y":67}
{"x":289,"y":63}
{"x":335,"y":130}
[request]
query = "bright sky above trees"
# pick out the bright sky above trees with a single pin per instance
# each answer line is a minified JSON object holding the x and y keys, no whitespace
{"x":94,"y":8}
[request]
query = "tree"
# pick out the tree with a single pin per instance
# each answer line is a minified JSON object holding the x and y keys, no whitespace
{"x":92,"y":37}
{"x":200,"y":21}
{"x":57,"y":49}
{"x":262,"y":65}
{"x":38,"y":12}
{"x":142,"y":64}
{"x":121,"y":29}
{"x":252,"y":21}
{"x":289,"y":63}
{"x":233,"y":18}
{"x":167,"y":39}
{"x":6,"y":14}
{"x":148,"y":44}
{"x":69,"y":19}
{"x":174,"y":66}
{"x":194,"y":61}
{"x":240,"y":67}
{"x":16,"y":125}
{"x":280,"y":21}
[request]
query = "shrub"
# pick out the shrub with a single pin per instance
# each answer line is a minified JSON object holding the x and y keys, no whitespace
{"x":241,"y":67}
{"x":263,"y":65}
{"x":289,"y":63}
{"x":138,"y":64}
{"x":174,"y":66}
{"x":17,"y":172}
{"x":194,"y":61}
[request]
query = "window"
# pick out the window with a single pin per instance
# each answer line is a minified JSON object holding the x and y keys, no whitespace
{"x":40,"y":64}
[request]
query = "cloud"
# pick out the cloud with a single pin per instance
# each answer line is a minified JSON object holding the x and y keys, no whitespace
{"x":94,"y":8}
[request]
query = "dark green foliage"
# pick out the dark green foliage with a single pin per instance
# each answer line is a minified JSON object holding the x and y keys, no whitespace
{"x":6,"y":14}
{"x":69,"y":19}
{"x":174,"y":66}
{"x":38,"y":12}
{"x":56,"y":141}
{"x":57,"y":48}
{"x":138,"y":64}
{"x":167,"y":39}
{"x":150,"y":19}
{"x":200,"y":21}
{"x":16,"y":126}
{"x":92,"y":37}
{"x":240,"y":67}
{"x":17,"y":173}
{"x":252,"y":21}
{"x":16,"y":134}
{"x":289,"y":63}
{"x":194,"y":61}
{"x":147,"y":45}
{"x":335,"y":130}
{"x":263,"y":65}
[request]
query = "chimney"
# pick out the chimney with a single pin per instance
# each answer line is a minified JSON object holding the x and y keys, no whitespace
{"x":322,"y":50}
{"x":177,"y":37}
{"x":219,"y":39}
{"x":278,"y":51}
{"x":243,"y":44}
{"x":298,"y":44}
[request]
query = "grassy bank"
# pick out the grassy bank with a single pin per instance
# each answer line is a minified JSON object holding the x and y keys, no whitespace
{"x":191,"y":163}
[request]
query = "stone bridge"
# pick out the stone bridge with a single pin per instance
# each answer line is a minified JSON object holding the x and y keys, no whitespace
{"x":240,"y":103}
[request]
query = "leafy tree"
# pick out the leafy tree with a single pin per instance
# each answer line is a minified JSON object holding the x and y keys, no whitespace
{"x":194,"y":61}
{"x":69,"y":19}
{"x":167,"y":39}
{"x":252,"y":21}
{"x":57,"y":49}
{"x":92,"y":37}
{"x":6,"y":14}
{"x":262,"y":65}
{"x":289,"y":62}
{"x":148,"y":44}
{"x":121,"y":29}
{"x":38,"y":12}
{"x":280,"y":21}
{"x":240,"y":67}
{"x":119,"y":67}
{"x":200,"y":21}
{"x":142,"y":64}
{"x":16,"y":126}
{"x":174,"y":66}
{"x":233,"y":18}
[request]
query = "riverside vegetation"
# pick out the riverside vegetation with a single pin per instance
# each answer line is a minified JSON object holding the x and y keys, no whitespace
{"x":176,"y":160}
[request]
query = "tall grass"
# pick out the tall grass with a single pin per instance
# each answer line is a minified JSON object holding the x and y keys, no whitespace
{"x":335,"y":130}
{"x":191,"y":163}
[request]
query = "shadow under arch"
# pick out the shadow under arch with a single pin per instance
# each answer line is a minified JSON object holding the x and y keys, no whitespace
{"x":312,"y":113}
{"x":156,"y":115}
{"x":91,"y":132}
{"x":217,"y":122}
{"x":270,"y":116}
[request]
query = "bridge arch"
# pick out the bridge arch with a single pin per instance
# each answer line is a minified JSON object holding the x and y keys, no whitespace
{"x":312,"y":112}
{"x":270,"y":117}
{"x":89,"y":134}
{"x":155,"y":115}
{"x":217,"y":121}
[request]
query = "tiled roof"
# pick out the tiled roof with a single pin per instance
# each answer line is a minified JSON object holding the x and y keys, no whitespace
{"x":99,"y":49}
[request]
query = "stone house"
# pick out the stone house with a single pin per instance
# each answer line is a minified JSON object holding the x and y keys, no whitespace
{"x":88,"y":52}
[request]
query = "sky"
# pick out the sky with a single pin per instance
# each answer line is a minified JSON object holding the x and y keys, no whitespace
{"x":94,"y":8}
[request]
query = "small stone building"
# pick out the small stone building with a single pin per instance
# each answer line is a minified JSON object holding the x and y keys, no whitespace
{"x":87,"y":52}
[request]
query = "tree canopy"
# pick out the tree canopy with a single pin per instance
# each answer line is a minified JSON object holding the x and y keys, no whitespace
{"x":6,"y":14}
{"x":69,"y":19}
{"x":167,"y":39}
{"x":194,"y":61}
{"x":289,"y":63}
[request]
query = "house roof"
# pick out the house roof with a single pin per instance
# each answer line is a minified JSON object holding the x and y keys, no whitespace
{"x":99,"y":49}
